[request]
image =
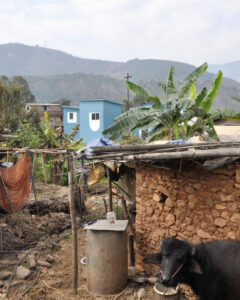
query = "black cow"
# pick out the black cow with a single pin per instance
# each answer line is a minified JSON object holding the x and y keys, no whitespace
{"x":211,"y":269}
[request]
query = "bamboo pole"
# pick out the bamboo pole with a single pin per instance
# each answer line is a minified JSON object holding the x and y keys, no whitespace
{"x":101,"y":149}
{"x":198,"y":154}
{"x":73,"y":223}
{"x":109,"y":190}
{"x":43,"y":168}
{"x":39,"y":151}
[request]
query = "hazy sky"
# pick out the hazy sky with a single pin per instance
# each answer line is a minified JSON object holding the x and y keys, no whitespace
{"x":190,"y":31}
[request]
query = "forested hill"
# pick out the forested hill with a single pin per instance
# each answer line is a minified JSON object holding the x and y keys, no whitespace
{"x":54,"y":74}
{"x":80,"y":86}
{"x":75,"y":87}
{"x":19,"y":59}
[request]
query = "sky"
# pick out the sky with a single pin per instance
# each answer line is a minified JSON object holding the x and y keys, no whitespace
{"x":191,"y":31}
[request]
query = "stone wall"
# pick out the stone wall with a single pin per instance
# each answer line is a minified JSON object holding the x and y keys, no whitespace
{"x":187,"y":202}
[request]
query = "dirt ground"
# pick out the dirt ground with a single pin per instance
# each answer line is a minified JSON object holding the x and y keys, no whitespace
{"x":47,"y":234}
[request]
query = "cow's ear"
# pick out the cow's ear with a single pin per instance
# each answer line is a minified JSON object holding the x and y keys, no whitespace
{"x":154,"y":258}
{"x":195,"y":267}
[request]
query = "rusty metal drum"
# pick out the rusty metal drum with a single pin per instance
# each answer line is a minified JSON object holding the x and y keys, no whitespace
{"x":107,"y":258}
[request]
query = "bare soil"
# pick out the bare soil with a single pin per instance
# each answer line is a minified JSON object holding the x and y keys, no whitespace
{"x":26,"y":231}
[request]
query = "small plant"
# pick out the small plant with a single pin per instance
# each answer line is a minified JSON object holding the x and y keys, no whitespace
{"x":26,"y":265}
{"x":104,"y":181}
{"x":66,"y":236}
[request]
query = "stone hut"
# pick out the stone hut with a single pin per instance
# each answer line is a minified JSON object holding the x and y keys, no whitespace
{"x":184,"y":200}
{"x":188,"y":191}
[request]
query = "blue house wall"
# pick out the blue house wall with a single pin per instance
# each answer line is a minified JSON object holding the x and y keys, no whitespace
{"x":111,"y":111}
{"x":107,"y":111}
{"x":87,"y":107}
{"x":93,"y":116}
{"x":69,"y":124}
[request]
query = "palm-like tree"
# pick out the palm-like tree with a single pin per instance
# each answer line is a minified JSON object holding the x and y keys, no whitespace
{"x":183,"y":114}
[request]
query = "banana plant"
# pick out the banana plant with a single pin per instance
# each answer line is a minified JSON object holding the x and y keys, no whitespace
{"x":171,"y":117}
{"x":55,"y":138}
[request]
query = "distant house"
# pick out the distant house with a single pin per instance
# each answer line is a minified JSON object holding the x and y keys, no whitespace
{"x":93,"y":116}
{"x":54,"y":112}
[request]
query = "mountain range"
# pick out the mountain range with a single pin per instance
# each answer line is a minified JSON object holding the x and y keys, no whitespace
{"x":53,"y":74}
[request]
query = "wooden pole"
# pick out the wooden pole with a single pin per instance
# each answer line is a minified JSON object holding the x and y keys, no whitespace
{"x":239,"y":229}
{"x":131,"y":249}
{"x":140,"y":147}
{"x":211,"y":153}
{"x":126,"y":215}
{"x":1,"y":240}
{"x":34,"y":164}
{"x":73,"y":223}
{"x":105,"y":205}
{"x":34,"y":192}
{"x":131,"y":234}
{"x":109,"y":190}
{"x":121,"y":189}
{"x":43,"y":167}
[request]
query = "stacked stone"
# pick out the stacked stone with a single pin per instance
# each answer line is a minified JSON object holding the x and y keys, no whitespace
{"x":187,"y":202}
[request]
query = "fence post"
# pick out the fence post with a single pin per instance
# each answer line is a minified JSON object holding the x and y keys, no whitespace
{"x":73,"y":223}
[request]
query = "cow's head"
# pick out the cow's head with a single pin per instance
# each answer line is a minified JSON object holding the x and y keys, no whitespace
{"x":175,"y":260}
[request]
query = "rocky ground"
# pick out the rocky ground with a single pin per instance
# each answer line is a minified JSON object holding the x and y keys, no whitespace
{"x":36,"y":249}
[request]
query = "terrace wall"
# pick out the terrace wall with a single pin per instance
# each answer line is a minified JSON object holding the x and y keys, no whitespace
{"x":187,"y":202}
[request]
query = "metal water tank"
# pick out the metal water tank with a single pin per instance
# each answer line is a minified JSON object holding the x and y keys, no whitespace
{"x":107,"y":258}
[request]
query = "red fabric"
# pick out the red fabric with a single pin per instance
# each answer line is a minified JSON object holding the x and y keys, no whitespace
{"x":17,"y":182}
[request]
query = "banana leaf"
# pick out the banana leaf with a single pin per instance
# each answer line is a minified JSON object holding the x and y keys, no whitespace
{"x":138,"y":90}
{"x":170,"y":87}
{"x":190,"y":79}
{"x":193,"y":91}
{"x":207,"y":103}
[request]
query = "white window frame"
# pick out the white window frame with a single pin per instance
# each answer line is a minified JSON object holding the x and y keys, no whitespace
{"x":74,"y":119}
{"x":94,"y":123}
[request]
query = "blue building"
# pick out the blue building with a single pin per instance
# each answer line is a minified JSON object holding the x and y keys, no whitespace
{"x":93,"y":116}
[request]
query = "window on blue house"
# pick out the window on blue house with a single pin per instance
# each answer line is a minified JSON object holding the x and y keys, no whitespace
{"x":95,"y":116}
{"x":72,"y":117}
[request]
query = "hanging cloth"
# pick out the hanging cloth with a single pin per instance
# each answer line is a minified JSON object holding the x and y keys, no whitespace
{"x":15,"y":185}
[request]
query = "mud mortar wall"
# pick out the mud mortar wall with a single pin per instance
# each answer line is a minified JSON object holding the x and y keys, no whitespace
{"x":187,"y":202}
